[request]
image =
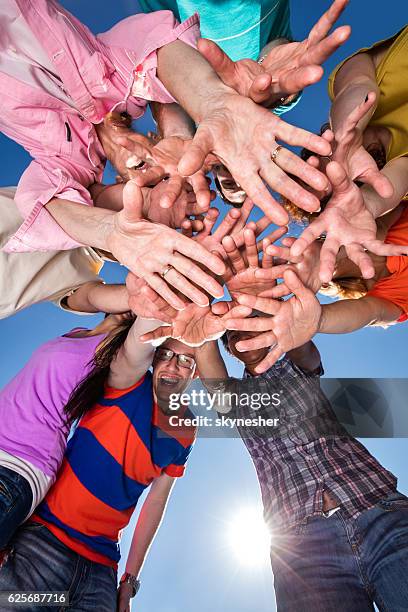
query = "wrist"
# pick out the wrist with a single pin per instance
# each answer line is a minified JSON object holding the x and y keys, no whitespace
{"x":218,"y":100}
{"x":132,"y":580}
{"x":321,"y":322}
{"x":107,"y":228}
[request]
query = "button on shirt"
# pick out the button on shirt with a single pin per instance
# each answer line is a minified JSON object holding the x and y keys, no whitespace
{"x":308,"y":452}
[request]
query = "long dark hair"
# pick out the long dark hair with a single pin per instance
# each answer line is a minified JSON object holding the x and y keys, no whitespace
{"x":90,"y":389}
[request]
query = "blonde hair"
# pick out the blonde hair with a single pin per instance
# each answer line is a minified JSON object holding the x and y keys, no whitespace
{"x":347,"y":288}
{"x":296,"y":214}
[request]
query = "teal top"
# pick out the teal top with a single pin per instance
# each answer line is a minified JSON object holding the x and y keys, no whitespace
{"x":240,"y":27}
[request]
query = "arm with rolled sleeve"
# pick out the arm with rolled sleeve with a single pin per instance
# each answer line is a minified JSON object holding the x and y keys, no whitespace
{"x":112,"y":71}
{"x":39,"y":231}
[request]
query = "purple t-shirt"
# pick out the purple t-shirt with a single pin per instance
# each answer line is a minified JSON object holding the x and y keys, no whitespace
{"x":32,"y":418}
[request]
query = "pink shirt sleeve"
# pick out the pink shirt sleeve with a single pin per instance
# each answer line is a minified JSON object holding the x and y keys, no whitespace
{"x":40,"y":232}
{"x":142,"y":35}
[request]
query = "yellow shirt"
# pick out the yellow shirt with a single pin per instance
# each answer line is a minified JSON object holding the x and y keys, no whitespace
{"x":392,"y":80}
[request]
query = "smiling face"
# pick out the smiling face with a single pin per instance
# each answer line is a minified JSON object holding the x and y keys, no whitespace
{"x":227,"y":186}
{"x":168,"y":375}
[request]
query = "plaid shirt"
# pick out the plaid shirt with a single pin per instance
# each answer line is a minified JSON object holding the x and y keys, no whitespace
{"x":308,"y":452}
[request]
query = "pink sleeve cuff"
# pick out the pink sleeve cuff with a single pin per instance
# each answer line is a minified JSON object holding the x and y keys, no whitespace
{"x":139,"y":37}
{"x":189,"y":33}
{"x":39,"y":231}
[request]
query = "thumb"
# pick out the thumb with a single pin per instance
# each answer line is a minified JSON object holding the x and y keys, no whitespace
{"x":135,"y":146}
{"x":259,"y":91}
{"x":218,"y":60}
{"x":338,"y":177}
{"x":237,"y":312}
{"x":194,"y":158}
{"x":157,"y":336}
{"x":295,"y":286}
{"x":132,"y":202}
{"x":134,"y":283}
{"x":379,"y":182}
{"x":220,"y":308}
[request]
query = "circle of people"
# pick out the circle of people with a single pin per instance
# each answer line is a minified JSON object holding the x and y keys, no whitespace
{"x":69,"y":98}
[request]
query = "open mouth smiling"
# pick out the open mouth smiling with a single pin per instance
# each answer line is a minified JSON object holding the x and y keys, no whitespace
{"x":169,"y":380}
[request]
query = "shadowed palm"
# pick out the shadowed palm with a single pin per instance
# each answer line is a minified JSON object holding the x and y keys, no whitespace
{"x":162,"y":162}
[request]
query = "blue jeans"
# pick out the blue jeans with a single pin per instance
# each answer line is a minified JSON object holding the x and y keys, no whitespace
{"x":15,"y":503}
{"x":38,"y":561}
{"x":345,"y":565}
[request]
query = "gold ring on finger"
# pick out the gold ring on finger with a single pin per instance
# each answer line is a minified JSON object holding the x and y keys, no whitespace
{"x":274,"y":154}
{"x":166,"y":271}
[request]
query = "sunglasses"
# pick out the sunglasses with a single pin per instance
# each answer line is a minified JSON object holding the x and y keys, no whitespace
{"x":184,"y":361}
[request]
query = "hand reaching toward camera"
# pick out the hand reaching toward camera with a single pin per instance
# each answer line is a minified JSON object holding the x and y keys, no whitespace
{"x":286,"y":326}
{"x":351,"y":154}
{"x":243,"y":136}
{"x":234,"y":224}
{"x":196,"y":325}
{"x":345,"y":222}
{"x":306,"y":266}
{"x":160,"y":162}
{"x":244,"y":265}
{"x":161,"y":256}
{"x":145,"y":302}
{"x":287,"y":68}
{"x":185,"y":205}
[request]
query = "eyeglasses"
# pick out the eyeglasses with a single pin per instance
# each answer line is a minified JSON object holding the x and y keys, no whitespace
{"x":184,"y":361}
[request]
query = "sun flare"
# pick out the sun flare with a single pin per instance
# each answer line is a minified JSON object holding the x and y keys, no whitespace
{"x":249,"y":537}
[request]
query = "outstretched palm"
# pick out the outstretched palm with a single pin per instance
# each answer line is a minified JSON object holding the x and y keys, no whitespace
{"x":287,"y":68}
{"x":243,"y":272}
{"x":286,"y":325}
{"x":161,"y":162}
{"x":193,"y":326}
{"x":345,"y":221}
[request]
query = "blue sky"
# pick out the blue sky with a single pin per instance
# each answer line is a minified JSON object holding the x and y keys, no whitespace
{"x":191,"y":565}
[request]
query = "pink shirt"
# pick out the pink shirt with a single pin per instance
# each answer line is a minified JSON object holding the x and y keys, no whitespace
{"x":115,"y":70}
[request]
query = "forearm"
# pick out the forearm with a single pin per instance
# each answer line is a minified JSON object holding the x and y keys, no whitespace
{"x":87,"y":225}
{"x":347,"y":101}
{"x":172,"y":120}
{"x":98,"y":297}
{"x":306,"y":357}
{"x":147,"y":526}
{"x":134,"y":358}
{"x":210,"y":364}
{"x":346,"y":316}
{"x":109,"y":197}
{"x":148,"y":523}
{"x":189,"y":78}
{"x":397,"y":172}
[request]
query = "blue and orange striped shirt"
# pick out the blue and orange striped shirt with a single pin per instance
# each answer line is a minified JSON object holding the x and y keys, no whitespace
{"x":117,"y":450}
